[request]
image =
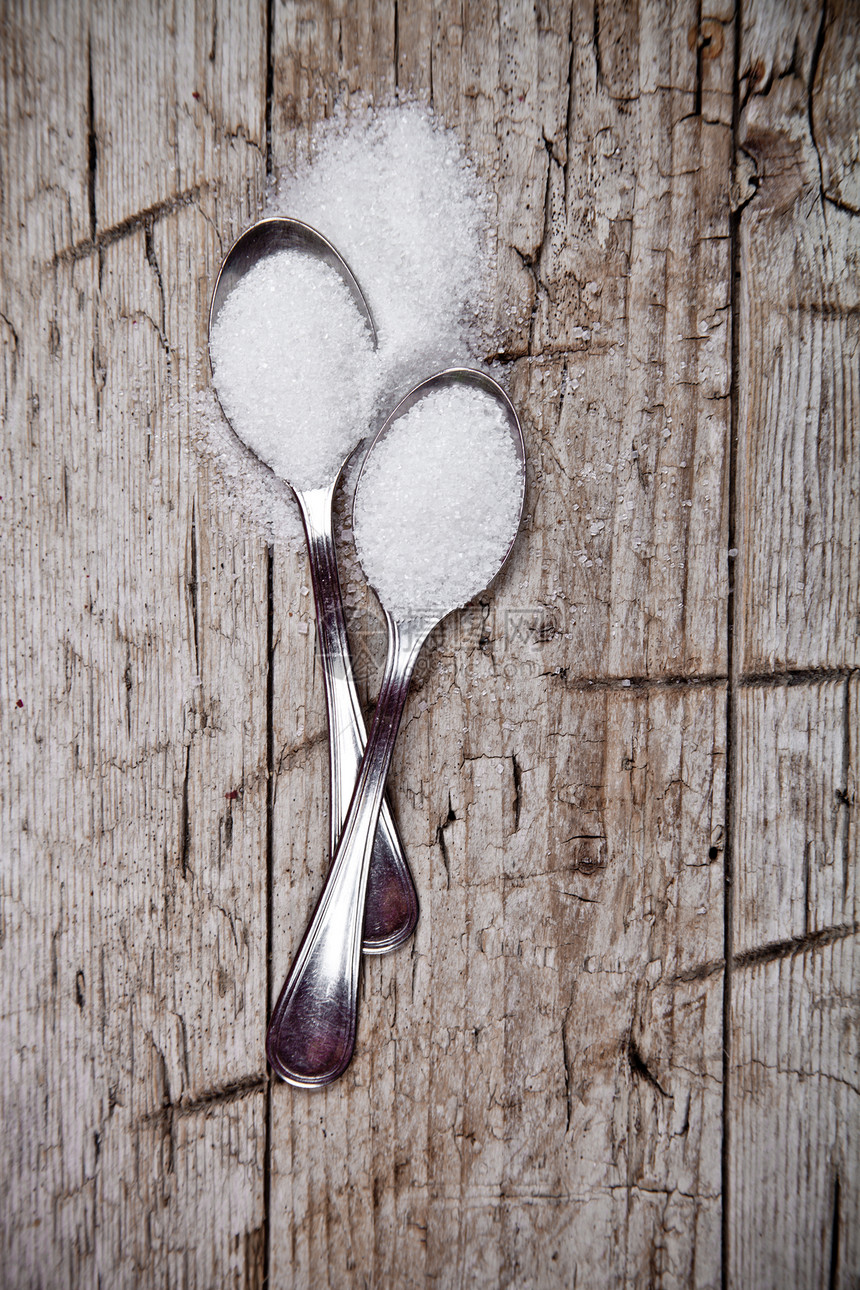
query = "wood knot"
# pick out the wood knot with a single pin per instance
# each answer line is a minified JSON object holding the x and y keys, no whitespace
{"x":758,"y":72}
{"x":589,"y":857}
{"x":708,"y":37}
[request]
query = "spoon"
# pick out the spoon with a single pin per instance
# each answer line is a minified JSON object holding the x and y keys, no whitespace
{"x":392,"y":902}
{"x":311,"y":1035}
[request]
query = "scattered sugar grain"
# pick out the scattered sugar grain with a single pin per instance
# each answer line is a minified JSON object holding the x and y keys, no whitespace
{"x":293,"y":366}
{"x":249,"y":490}
{"x":438,"y":503}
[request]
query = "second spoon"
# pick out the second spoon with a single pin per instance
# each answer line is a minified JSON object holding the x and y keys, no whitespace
{"x":312,"y":1031}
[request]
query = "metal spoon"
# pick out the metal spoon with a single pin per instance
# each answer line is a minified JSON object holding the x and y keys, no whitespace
{"x":311,"y":1034}
{"x":392,"y":903}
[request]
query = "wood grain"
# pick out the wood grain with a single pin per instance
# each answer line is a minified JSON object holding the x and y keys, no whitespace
{"x":796,"y":873}
{"x":178,"y":103}
{"x":135,"y":728}
{"x":522,"y":1069}
{"x":45,"y":194}
{"x":793,"y":1095}
{"x":587,"y":1069}
{"x":795,"y":1087}
{"x":518,"y":1080}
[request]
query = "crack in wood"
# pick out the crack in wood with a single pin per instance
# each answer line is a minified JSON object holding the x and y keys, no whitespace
{"x":271,"y":792}
{"x":833,"y":1277}
{"x":640,"y":1068}
{"x":290,"y":756}
{"x":440,"y":839}
{"x":517,"y":796}
{"x":793,"y":945}
{"x":568,"y":114}
{"x":770,"y":952}
{"x":567,"y":1080}
{"x":270,"y":83}
{"x":844,"y":794}
{"x":701,"y":40}
{"x":132,"y":224}
{"x":693,"y":681}
{"x":152,"y":261}
{"x":193,"y":580}
{"x":733,"y":577}
{"x":92,"y":141}
{"x":794,"y":676}
{"x":699,"y":973}
{"x":207,"y":1100}
{"x":184,"y":822}
{"x":810,"y":96}
{"x":595,"y":41}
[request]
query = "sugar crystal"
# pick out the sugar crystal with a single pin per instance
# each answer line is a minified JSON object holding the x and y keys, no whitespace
{"x":438,"y":502}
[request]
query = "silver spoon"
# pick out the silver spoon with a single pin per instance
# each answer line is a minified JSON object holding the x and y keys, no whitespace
{"x":311,"y":1034}
{"x":392,"y":903}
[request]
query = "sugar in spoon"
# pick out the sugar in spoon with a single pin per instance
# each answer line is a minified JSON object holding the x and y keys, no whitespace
{"x":392,"y":903}
{"x":311,"y":1034}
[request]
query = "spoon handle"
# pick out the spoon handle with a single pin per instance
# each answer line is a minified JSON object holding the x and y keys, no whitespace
{"x":392,"y":903}
{"x":311,"y":1034}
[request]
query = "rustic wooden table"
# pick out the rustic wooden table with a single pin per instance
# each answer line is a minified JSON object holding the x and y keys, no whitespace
{"x":622,"y":1048}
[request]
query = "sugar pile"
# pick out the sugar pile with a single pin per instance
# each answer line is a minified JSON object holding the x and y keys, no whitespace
{"x":393,"y":190}
{"x":438,"y":503}
{"x":292,"y":362}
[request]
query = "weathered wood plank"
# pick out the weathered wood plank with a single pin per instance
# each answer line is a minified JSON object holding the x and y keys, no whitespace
{"x":536,"y":1094}
{"x":185,"y":1207}
{"x":596,"y":243}
{"x":137,"y":893}
{"x":536,"y":1098}
{"x":44,"y":194}
{"x":794,"y":1092}
{"x":320,"y":55}
{"x":795,"y":1089}
{"x":833,"y":116}
{"x":793,"y":1098}
{"x":627,"y":246}
{"x":134,"y":797}
{"x":799,"y":442}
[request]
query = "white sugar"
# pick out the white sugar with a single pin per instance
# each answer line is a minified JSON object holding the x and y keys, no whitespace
{"x":395,"y":193}
{"x":393,"y":190}
{"x":293,"y":366}
{"x":438,"y":503}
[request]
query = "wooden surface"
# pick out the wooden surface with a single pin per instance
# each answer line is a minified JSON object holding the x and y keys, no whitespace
{"x":622,"y":1049}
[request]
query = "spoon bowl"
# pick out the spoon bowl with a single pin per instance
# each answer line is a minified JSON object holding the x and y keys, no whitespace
{"x":311,"y":1034}
{"x":452,"y":378}
{"x":270,"y":237}
{"x":392,"y":905}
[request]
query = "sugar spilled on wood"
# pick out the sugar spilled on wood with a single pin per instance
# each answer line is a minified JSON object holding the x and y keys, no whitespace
{"x":255,"y":495}
{"x":394,"y":191}
{"x":291,"y":357}
{"x":438,"y":502}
